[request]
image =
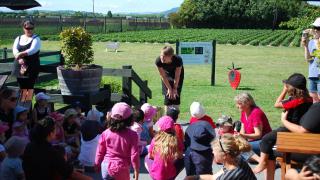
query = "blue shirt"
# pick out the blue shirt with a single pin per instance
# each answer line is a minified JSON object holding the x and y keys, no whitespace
{"x":11,"y":169}
{"x":313,"y":65}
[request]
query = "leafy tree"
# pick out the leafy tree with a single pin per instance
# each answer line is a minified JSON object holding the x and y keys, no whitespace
{"x":109,"y":14}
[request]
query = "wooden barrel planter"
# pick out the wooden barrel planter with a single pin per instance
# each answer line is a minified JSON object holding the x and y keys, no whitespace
{"x":79,"y":82}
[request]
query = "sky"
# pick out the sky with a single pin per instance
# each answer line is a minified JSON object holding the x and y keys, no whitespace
{"x":103,"y":6}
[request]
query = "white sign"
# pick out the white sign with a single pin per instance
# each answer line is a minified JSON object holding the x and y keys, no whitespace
{"x":196,"y":52}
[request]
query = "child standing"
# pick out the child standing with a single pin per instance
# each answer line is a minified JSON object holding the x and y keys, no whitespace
{"x":198,"y":156}
{"x":165,"y":159}
{"x":149,"y":112}
{"x":118,"y":146}
{"x":198,"y":113}
{"x":41,"y":107}
{"x":138,"y":117}
{"x":11,"y":167}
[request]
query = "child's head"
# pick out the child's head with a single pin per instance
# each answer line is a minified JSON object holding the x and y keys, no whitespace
{"x":121,"y":117}
{"x":173,"y":113}
{"x":42,"y":99}
{"x":78,"y":106}
{"x":15,"y":146}
{"x":20,"y":114}
{"x":57,"y":117}
{"x":297,"y":86}
{"x":197,"y":110}
{"x":166,"y":142}
{"x":70,"y":116}
{"x":18,"y":127}
{"x":8,"y":98}
{"x":225,"y":124}
{"x":313,"y":165}
{"x":200,"y":134}
{"x":227,"y":147}
{"x":138,"y":116}
{"x":43,"y":131}
{"x":149,"y":111}
{"x":94,"y":115}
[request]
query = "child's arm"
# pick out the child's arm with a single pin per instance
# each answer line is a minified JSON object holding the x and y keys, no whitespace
{"x":151,"y":132}
{"x":101,"y":151}
{"x":135,"y":156}
{"x":278,"y":103}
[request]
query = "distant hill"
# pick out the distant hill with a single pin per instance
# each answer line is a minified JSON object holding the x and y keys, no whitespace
{"x":173,"y":10}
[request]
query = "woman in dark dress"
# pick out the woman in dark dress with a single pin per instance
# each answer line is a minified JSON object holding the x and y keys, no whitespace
{"x":170,"y":67}
{"x":26,"y":50}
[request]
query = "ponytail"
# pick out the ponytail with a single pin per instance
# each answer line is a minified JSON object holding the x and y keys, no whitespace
{"x":231,"y":144}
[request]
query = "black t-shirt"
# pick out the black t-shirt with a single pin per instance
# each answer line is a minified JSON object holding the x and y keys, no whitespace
{"x":311,"y":119}
{"x":296,"y":108}
{"x":42,"y":161}
{"x":242,"y":172}
{"x":170,"y":70}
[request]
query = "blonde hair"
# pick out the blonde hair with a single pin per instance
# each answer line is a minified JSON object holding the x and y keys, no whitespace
{"x":231,"y":144}
{"x":166,"y":144}
{"x":167,"y":51}
{"x":245,"y":98}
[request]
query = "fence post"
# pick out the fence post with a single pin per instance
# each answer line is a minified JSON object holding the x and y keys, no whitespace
{"x":85,"y":22}
{"x":127,"y":85}
{"x":61,"y":23}
{"x":136,"y":22}
{"x":143,"y":97}
{"x":160,"y":23}
{"x":121,"y":28}
{"x":5,"y":53}
{"x":213,"y":67}
{"x":105,"y":24}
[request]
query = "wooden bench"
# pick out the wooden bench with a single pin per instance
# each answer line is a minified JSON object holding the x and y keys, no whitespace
{"x":288,"y":143}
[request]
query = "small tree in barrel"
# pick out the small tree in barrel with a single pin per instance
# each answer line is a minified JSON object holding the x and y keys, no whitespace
{"x":76,"y":47}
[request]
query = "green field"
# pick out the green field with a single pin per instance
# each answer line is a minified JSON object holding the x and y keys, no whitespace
{"x":264,"y":67}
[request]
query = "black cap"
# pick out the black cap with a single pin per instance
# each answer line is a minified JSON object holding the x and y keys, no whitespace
{"x":296,"y":80}
{"x":173,"y":113}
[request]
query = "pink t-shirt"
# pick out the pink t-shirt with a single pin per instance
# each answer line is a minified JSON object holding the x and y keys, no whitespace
{"x":159,"y":171}
{"x":118,"y":149}
{"x":256,"y":118}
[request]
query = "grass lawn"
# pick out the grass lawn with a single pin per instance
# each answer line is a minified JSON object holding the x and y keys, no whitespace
{"x":263,"y":70}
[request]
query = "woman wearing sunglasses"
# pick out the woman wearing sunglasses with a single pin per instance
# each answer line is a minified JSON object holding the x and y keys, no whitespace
{"x":226,"y":150}
{"x":309,"y":47}
{"x":26,"y":50}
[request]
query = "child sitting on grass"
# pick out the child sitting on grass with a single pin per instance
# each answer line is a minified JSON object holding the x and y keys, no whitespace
{"x":165,"y":158}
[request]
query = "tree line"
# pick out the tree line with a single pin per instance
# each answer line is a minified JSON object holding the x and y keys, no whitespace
{"x":236,"y":13}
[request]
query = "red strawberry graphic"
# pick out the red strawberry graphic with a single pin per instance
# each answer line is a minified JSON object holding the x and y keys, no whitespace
{"x":234,"y":77}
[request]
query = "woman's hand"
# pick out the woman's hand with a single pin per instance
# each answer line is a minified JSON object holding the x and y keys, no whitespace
{"x":306,"y":174}
{"x":175,"y":93}
{"x":170,"y":94}
{"x":20,"y":61}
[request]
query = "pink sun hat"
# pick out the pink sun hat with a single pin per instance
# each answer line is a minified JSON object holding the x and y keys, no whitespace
{"x":165,"y":123}
{"x":149,"y":111}
{"x":121,"y":111}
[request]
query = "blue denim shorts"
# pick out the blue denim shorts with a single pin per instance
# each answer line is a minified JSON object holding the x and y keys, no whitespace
{"x":314,"y":85}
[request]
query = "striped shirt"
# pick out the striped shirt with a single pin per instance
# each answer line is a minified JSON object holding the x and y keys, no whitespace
{"x":242,"y":172}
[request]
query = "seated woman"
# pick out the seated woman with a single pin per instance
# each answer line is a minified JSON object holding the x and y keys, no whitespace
{"x":226,"y":150}
{"x":254,"y":123}
{"x":295,"y":106}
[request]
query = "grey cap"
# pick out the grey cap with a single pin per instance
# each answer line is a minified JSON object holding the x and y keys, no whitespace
{"x":225,"y":120}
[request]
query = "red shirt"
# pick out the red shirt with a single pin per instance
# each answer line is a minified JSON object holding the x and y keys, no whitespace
{"x":179,"y":133}
{"x":204,"y":118}
{"x":255,"y":119}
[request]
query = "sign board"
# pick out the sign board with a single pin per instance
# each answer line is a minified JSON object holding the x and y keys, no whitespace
{"x":196,"y":52}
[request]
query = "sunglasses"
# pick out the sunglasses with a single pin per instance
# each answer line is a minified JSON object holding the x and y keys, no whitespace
{"x":221,"y":145}
{"x":12,"y":99}
{"x":28,"y":28}
{"x":316,"y":28}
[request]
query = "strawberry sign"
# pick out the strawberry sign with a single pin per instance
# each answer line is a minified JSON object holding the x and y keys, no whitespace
{"x":234,"y":76}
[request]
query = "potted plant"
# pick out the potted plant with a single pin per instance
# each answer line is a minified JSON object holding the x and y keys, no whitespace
{"x":78,"y":76}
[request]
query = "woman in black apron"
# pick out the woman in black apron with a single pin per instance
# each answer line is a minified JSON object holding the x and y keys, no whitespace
{"x":26,"y":50}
